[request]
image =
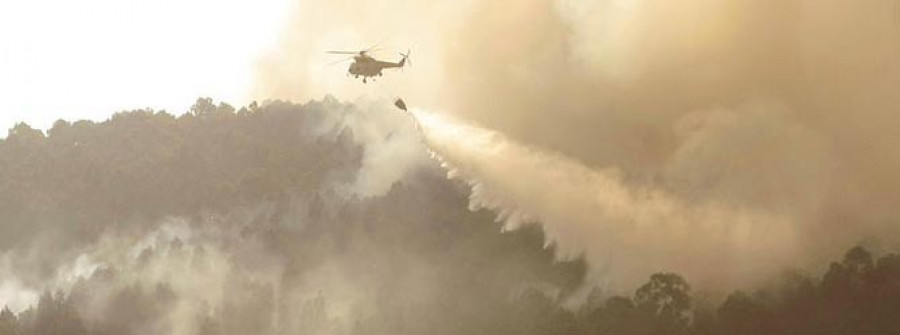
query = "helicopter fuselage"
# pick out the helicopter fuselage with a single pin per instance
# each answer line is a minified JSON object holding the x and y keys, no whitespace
{"x":367,"y":66}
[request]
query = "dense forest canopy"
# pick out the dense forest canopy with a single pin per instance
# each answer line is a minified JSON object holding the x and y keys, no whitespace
{"x":225,"y":221}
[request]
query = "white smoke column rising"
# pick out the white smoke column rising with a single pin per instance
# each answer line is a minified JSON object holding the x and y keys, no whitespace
{"x":625,"y":231}
{"x":391,"y":149}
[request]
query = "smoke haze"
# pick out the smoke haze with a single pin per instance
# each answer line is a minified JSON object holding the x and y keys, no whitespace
{"x":321,"y":218}
{"x":556,"y":154}
{"x":771,"y":124}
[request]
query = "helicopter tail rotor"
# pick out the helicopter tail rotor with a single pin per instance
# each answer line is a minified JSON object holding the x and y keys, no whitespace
{"x":405,"y":60}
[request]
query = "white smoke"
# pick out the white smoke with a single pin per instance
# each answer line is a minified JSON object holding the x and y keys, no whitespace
{"x":391,"y":147}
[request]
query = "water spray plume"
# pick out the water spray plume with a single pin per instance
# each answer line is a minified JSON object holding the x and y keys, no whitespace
{"x":627,"y":231}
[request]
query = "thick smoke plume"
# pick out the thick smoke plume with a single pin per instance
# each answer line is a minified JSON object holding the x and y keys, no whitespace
{"x":767,"y":127}
{"x":608,"y":140}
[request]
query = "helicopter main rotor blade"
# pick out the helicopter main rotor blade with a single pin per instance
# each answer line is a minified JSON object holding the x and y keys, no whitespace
{"x":375,"y":46}
{"x":344,"y":52}
{"x":339,"y":61}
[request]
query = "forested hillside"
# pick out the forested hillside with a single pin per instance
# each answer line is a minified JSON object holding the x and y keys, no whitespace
{"x":225,"y":221}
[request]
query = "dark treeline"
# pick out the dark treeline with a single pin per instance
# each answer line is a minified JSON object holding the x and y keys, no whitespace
{"x":82,"y":177}
{"x":858,"y":295}
{"x":278,"y":250}
{"x":149,"y":164}
{"x":275,"y":243}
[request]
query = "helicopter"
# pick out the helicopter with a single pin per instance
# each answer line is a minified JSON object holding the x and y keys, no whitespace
{"x":367,"y":66}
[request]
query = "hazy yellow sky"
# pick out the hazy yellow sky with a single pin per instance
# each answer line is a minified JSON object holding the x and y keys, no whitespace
{"x":88,"y":59}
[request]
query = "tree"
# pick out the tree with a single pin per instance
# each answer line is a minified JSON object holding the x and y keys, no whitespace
{"x":23,"y":132}
{"x":741,"y":314}
{"x":667,"y":298}
{"x":666,"y":295}
{"x":56,"y":316}
{"x":204,"y":107}
{"x":847,"y":278}
{"x":9,"y":324}
{"x":534,"y":312}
